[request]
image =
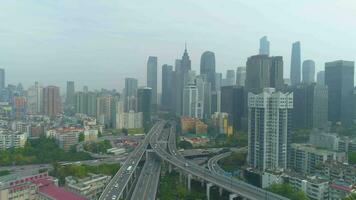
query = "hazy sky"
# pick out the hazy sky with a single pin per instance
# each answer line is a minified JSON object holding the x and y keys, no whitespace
{"x":100,"y":42}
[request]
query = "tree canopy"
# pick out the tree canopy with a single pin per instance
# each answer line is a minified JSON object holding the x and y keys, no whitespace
{"x":288,"y":191}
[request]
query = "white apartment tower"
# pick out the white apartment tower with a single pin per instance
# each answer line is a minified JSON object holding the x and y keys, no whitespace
{"x":269,"y":127}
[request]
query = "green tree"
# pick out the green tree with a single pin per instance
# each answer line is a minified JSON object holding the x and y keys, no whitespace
{"x":81,"y":137}
{"x":350,"y":197}
{"x":288,"y":191}
{"x":185,"y":145}
{"x":352,"y":158}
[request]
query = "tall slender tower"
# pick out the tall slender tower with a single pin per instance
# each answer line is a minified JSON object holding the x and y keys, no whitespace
{"x":70,"y":99}
{"x":308,"y":71}
{"x":295,"y":68}
{"x":51,"y":101}
{"x":264,"y":46}
{"x":2,"y":79}
{"x":152,"y":78}
{"x":207,"y":67}
{"x":167,"y":87}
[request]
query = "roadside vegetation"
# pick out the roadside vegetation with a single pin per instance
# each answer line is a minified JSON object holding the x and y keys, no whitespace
{"x":288,"y":191}
{"x":98,"y":147}
{"x":38,"y":151}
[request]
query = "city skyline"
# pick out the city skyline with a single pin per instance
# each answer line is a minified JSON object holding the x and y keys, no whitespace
{"x":52,"y":48}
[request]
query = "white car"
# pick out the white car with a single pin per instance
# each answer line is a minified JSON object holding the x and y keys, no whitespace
{"x":113,"y":197}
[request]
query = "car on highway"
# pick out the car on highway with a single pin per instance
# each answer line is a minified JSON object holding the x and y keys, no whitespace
{"x":113,"y":197}
{"x":186,"y":164}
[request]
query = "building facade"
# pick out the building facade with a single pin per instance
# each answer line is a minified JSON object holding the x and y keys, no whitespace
{"x":269,"y":128}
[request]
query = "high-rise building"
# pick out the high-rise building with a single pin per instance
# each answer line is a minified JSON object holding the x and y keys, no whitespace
{"x":263,"y":71}
{"x":144,"y":104}
{"x":130,"y":94}
{"x":207,"y":67}
{"x":264,"y":46}
{"x":167,"y":87}
{"x":295,"y":68}
{"x":182,"y":67}
{"x":19,"y":107}
{"x":70,"y":98}
{"x":105,"y":112}
{"x":241,"y":76}
{"x":2,"y":79}
{"x":310,"y":106}
{"x":34,"y":99}
{"x":81,"y":102}
{"x":233,"y":103}
{"x":92,"y":104}
{"x":308,"y":71}
{"x":51,"y":101}
{"x":269,"y":128}
{"x":191,"y":104}
{"x":218,"y":81}
{"x":85,"y":88}
{"x":339,"y":78}
{"x":152,"y":78}
{"x":320,"y":78}
{"x":230,"y":77}
{"x":204,"y":95}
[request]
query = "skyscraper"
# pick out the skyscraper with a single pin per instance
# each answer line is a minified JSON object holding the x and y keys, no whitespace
{"x":185,"y":63}
{"x":92,"y":104}
{"x":191,"y":104}
{"x":2,"y":79}
{"x":339,"y":77}
{"x":264,"y":46}
{"x":144,"y":104}
{"x":81,"y":102}
{"x":152,"y":78}
{"x":167,"y":87}
{"x":320,"y":78}
{"x":262,"y":72}
{"x":204,"y":95}
{"x":130,"y":94}
{"x":295,"y":71}
{"x":34,"y":99}
{"x":230,"y":77}
{"x":269,"y":128}
{"x":51,"y":101}
{"x":308,"y":71}
{"x":240,"y":76}
{"x":310,"y":106}
{"x":70,"y":98}
{"x":207,"y":67}
{"x":233,"y":103}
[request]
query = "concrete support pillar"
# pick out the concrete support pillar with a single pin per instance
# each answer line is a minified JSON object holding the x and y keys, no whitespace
{"x":180,"y":176}
{"x":169,"y":168}
{"x":202,"y":182}
{"x":220,"y":191}
{"x":189,"y":182}
{"x":208,"y":186}
{"x":232,"y":196}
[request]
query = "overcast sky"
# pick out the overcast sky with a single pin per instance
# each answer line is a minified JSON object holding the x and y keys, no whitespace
{"x":100,"y":42}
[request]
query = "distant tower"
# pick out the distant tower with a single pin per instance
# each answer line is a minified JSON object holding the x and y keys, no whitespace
{"x":320,"y":78}
{"x":308,"y":71}
{"x":207,"y":67}
{"x":240,"y":76}
{"x":339,"y":78}
{"x":70,"y":99}
{"x":295,"y":71}
{"x":167,"y":87}
{"x":130,"y":94}
{"x":152,"y":78}
{"x":51,"y":101}
{"x":2,"y":79}
{"x":144,"y":104}
{"x":264,"y":46}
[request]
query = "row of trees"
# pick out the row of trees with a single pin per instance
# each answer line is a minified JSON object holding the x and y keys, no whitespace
{"x":98,"y":147}
{"x":42,"y":150}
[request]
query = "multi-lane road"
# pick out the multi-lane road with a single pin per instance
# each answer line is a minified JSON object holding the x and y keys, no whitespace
{"x":147,"y":184}
{"x":115,"y":189}
{"x":235,"y":187}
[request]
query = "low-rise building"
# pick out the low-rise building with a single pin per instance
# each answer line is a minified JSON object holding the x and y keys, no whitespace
{"x":193,"y":125}
{"x":340,"y":189}
{"x":12,"y":139}
{"x":129,"y":120}
{"x":306,"y":158}
{"x":314,"y":187}
{"x":65,"y":137}
{"x":90,"y":187}
{"x":222,"y":123}
{"x":90,"y":135}
{"x":338,"y":171}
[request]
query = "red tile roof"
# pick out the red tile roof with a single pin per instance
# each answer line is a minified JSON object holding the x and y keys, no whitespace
{"x":59,"y":193}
